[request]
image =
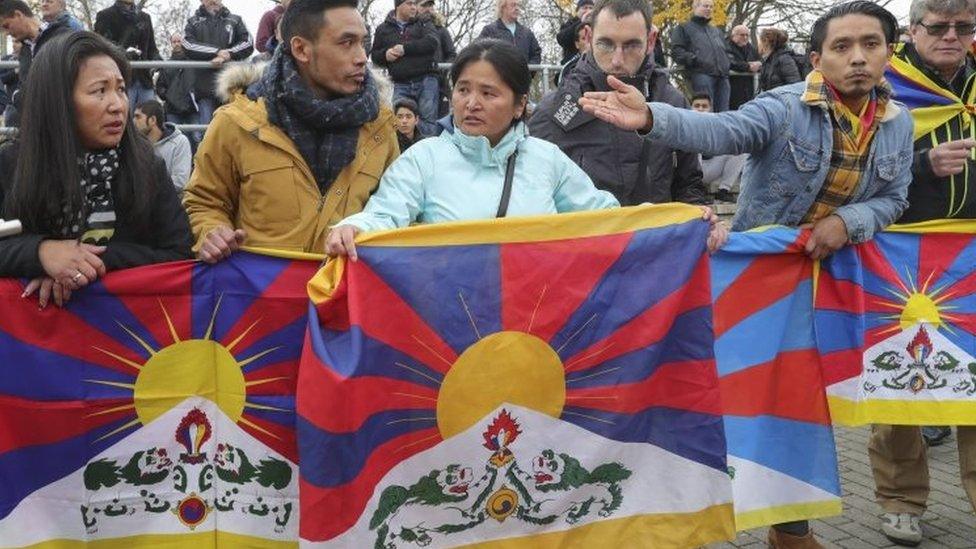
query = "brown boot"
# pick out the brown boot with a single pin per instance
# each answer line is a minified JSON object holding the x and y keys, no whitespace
{"x":779,"y":540}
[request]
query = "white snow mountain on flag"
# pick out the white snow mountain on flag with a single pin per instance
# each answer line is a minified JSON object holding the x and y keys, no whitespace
{"x":191,"y":470}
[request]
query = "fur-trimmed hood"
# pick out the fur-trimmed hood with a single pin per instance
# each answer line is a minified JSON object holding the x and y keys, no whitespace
{"x":238,"y":77}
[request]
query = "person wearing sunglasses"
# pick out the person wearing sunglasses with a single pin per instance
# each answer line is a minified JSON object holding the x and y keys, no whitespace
{"x":936,"y":77}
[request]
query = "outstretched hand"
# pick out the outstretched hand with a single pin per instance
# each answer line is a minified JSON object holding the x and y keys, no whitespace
{"x":624,"y":107}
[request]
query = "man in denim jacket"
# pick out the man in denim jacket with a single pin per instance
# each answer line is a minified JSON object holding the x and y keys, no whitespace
{"x":833,"y":153}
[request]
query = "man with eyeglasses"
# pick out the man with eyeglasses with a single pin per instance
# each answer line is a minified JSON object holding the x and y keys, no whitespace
{"x":935,"y":76}
{"x":620,"y":42}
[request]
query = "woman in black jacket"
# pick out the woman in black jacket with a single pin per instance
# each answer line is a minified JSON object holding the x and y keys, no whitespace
{"x":89,"y":191}
{"x":778,"y":67}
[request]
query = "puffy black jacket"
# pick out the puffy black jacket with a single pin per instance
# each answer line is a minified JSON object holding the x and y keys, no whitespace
{"x":206,"y":34}
{"x":420,"y":48}
{"x":523,"y":39}
{"x":176,"y":87}
{"x":778,"y":70}
{"x":166,"y":237}
{"x":700,"y":47}
{"x":566,"y":38}
{"x":129,"y":28}
{"x":613,"y":157}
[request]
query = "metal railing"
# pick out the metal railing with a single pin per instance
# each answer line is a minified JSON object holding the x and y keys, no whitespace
{"x":547,"y":72}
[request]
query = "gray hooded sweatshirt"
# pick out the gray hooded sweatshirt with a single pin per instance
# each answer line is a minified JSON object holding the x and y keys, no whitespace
{"x":174,"y":149}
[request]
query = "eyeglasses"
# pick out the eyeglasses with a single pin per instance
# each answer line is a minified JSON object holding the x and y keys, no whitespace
{"x":940,"y":29}
{"x":630,"y":48}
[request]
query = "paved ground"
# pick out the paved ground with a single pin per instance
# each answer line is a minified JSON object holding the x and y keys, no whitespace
{"x":948,"y":523}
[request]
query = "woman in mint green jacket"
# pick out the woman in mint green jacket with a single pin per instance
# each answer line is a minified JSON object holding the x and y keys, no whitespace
{"x":460,"y":175}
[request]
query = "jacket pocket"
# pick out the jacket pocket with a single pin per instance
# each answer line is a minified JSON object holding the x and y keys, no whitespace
{"x":796,"y":167}
{"x":269,"y":201}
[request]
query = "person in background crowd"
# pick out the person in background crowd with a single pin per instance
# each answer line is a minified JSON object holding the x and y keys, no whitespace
{"x":297,"y":148}
{"x":407,"y":115}
{"x":905,"y":37}
{"x":176,"y":87}
{"x":9,"y":81}
{"x":660,"y":59}
{"x":633,"y":168}
{"x":582,"y":46}
{"x":168,"y":141}
{"x":90,"y":193}
{"x":832,"y":154}
{"x":462,"y":174}
{"x":778,"y":67}
{"x":743,"y":58}
{"x":407,"y":46}
{"x":265,"y":41}
{"x":445,"y":53}
{"x":939,"y":57}
{"x":18,"y":21}
{"x":508,"y":28}
{"x":51,"y":10}
{"x":132,"y":30}
{"x":569,"y":32}
{"x":213,"y":34}
{"x":699,"y":47}
{"x":722,"y":171}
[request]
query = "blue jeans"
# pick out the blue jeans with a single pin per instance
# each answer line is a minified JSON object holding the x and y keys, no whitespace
{"x":205,"y":110}
{"x":426,"y":92}
{"x":139,"y":94}
{"x":714,"y":86}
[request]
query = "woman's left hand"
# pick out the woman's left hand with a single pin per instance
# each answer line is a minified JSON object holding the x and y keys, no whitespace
{"x":718,"y":234}
{"x":46,"y":288}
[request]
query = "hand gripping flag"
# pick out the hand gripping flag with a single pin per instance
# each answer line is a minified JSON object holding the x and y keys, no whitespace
{"x":157,"y":409}
{"x":780,"y":441}
{"x":896,"y":325}
{"x":531,"y":382}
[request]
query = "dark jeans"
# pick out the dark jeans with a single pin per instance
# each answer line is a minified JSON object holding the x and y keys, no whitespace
{"x":139,"y":94}
{"x":714,"y":86}
{"x":188,"y":118}
{"x":426,"y":92}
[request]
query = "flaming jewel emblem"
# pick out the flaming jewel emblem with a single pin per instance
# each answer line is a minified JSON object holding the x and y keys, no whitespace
{"x":502,"y":432}
{"x":920,"y":347}
{"x":193,"y":432}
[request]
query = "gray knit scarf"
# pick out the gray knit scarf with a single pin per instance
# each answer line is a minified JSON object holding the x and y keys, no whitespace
{"x":326,"y":132}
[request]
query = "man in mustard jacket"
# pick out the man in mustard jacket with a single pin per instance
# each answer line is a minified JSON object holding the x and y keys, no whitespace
{"x":298,"y":150}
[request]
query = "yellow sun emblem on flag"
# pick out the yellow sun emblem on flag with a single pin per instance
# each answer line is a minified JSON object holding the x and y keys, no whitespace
{"x":917,"y":305}
{"x":186,"y":368}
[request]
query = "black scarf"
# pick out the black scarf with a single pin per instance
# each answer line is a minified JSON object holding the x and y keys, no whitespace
{"x":326,"y":132}
{"x":95,"y":222}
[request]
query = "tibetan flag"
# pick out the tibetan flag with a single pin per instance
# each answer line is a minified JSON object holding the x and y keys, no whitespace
{"x":156,"y":409}
{"x":780,"y":441}
{"x":528,"y":382}
{"x":896,"y":325}
{"x":931,"y":104}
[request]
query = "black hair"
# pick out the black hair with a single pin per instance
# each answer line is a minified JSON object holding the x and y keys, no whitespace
{"x":47,"y":177}
{"x":305,"y":18}
{"x":623,"y":8}
{"x":8,"y":7}
{"x":889,"y":24}
{"x":153,"y":109}
{"x":507,"y":61}
{"x":406,"y":103}
{"x":702,"y":95}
